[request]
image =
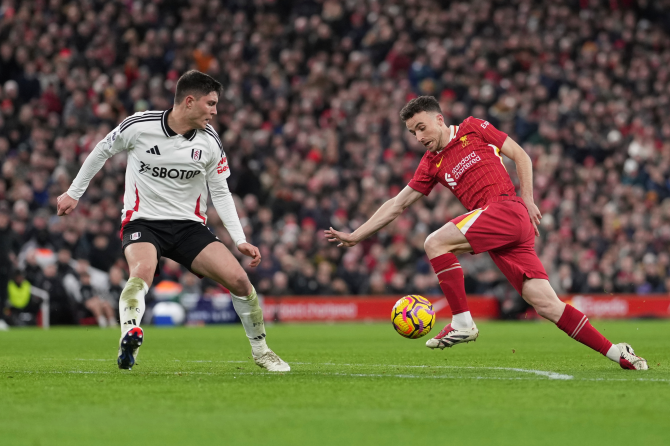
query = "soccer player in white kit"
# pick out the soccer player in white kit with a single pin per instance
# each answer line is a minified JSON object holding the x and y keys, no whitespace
{"x":173,"y":156}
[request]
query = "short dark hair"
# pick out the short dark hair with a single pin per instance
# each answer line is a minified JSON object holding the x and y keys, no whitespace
{"x":197,"y":84}
{"x":418,"y":105}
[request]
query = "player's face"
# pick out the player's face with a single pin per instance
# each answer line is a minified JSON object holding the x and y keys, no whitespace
{"x":203,"y":110}
{"x":427,"y":128}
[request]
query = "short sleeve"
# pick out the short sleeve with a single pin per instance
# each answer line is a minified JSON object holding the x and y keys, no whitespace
{"x":422,"y":181}
{"x":489,"y":133}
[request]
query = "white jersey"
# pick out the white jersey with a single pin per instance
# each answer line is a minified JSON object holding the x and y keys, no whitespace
{"x":167,"y":173}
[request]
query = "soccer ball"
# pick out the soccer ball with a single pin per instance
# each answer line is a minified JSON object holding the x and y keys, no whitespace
{"x":413,"y":316}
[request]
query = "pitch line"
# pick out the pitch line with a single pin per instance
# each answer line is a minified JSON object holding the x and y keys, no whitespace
{"x":550,"y":375}
{"x":353,"y":375}
{"x":547,"y":374}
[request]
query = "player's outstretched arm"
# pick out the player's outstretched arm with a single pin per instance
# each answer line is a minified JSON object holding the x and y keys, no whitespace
{"x":384,"y":215}
{"x":112,"y":144}
{"x":524,"y":170}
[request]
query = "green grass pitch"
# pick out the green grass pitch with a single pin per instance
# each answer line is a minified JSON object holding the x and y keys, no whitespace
{"x":351,"y":384}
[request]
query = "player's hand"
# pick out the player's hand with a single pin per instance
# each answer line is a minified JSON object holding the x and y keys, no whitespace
{"x":66,"y":204}
{"x":342,"y":239}
{"x":250,"y":250}
{"x":535,"y":215}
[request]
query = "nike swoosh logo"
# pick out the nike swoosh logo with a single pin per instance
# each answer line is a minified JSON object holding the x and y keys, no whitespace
{"x":440,"y":163}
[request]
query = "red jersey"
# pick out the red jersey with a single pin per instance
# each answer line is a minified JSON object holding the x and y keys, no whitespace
{"x":470,"y":166}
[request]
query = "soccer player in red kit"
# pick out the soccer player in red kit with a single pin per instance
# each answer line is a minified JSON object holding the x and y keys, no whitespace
{"x":467,"y":159}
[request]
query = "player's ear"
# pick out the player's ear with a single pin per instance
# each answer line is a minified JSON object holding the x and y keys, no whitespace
{"x":440,"y":118}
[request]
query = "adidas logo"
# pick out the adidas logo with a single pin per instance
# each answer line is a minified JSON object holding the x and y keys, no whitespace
{"x":450,"y":180}
{"x":154,"y":150}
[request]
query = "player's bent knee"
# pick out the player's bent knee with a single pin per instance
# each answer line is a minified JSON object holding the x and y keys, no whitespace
{"x":429,"y":243}
{"x":434,"y":247}
{"x":447,"y":239}
{"x":144,"y":272}
{"x":241,"y":286}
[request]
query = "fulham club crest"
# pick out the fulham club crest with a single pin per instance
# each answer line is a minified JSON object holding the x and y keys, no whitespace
{"x":195,"y":154}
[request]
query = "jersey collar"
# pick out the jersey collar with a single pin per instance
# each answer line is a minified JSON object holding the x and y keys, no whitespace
{"x":452,"y":135}
{"x":190,"y":135}
{"x":454,"y":131}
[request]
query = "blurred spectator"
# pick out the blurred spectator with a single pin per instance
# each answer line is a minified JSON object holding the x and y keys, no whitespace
{"x":62,"y":308}
{"x":280,"y":285}
{"x":22,"y":305}
{"x":304,"y":281}
{"x":77,"y":112}
{"x":594,"y":283}
{"x":115,"y":286}
{"x":32,"y":271}
{"x":377,"y":284}
{"x":8,"y":253}
{"x":101,"y":309}
{"x":309,"y":120}
{"x":323,"y":279}
{"x":63,"y":263}
{"x":170,"y":270}
{"x":352,"y":273}
{"x":189,"y":282}
{"x":104,"y":251}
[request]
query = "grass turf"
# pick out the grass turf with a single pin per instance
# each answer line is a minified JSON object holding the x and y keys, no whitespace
{"x":350,"y":384}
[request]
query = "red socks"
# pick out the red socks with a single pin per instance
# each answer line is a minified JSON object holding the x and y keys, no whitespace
{"x":578,"y":327}
{"x":572,"y":321}
{"x":450,"y":275}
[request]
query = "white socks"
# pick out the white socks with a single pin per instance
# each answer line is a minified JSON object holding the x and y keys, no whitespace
{"x":131,"y":303}
{"x":251,"y":314}
{"x":462,"y":321}
{"x":614,"y":354}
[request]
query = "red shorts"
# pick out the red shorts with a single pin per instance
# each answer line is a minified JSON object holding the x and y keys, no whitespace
{"x":505,"y":231}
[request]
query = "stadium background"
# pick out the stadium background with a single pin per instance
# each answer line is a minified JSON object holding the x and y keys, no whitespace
{"x":309,"y":120}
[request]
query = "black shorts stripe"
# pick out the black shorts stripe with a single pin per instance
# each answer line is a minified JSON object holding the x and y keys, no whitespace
{"x":138,"y":121}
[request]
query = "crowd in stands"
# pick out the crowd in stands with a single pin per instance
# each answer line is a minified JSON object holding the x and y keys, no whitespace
{"x":309,"y":121}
